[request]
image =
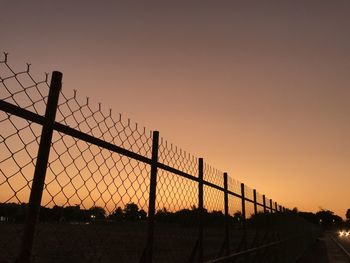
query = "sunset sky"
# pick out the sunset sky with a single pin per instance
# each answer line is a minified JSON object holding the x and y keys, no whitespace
{"x":259,"y":89}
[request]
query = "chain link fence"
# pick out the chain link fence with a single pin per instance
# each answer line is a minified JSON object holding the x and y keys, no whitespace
{"x":80,"y":184}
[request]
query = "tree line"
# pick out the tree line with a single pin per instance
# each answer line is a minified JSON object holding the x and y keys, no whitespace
{"x":325,"y":218}
{"x":12,"y":212}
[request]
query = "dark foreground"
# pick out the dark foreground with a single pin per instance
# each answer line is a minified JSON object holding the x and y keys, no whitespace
{"x":173,"y":243}
{"x":317,"y":253}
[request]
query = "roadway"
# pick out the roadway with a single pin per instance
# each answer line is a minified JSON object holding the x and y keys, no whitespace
{"x":338,"y":247}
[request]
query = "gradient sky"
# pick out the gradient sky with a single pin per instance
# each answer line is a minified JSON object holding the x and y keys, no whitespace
{"x":260,"y":89}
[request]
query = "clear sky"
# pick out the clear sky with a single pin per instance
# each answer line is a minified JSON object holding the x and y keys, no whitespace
{"x":260,"y":89}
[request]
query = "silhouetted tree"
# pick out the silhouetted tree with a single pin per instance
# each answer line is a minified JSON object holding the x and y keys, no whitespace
{"x":71,"y":213}
{"x":97,"y":212}
{"x":348,"y":214}
{"x":13,"y":212}
{"x":118,"y":214}
{"x":142,"y":214}
{"x":237,"y":217}
{"x":163,"y":215}
{"x":45,"y":214}
{"x":186,"y":216}
{"x":214,"y":217}
{"x":310,"y":217}
{"x":328,"y":219}
{"x":131,"y":212}
{"x":57,"y":213}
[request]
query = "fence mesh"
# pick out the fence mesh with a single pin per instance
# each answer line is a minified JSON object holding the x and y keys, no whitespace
{"x":19,"y":140}
{"x":175,"y":193}
{"x":248,"y":192}
{"x":175,"y":157}
{"x":91,"y":119}
{"x":259,"y":199}
{"x":213,"y":175}
{"x":234,"y":185}
{"x":175,"y":230}
{"x":87,"y":175}
{"x":95,"y":201}
{"x":20,"y":88}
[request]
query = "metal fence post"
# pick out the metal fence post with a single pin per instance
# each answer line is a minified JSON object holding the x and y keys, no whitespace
{"x":40,"y":169}
{"x":264,"y":203}
{"x":200,"y":208}
{"x":271,"y":208}
{"x":227,"y":233}
{"x":148,"y":253}
{"x":255,"y":204}
{"x":276,"y":209}
{"x":244,"y":237}
{"x":243,"y":202}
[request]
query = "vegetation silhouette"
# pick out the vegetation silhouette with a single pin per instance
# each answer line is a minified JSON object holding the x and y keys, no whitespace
{"x":12,"y":212}
{"x":348,"y":215}
{"x":131,"y":212}
{"x":324,"y":218}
